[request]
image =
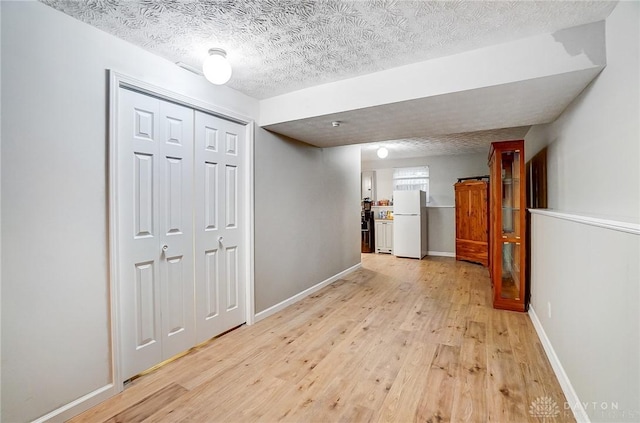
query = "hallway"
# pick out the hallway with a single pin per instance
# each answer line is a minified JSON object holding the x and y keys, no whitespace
{"x":398,"y":340}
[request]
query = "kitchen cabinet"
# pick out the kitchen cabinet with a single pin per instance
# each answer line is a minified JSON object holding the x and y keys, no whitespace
{"x":507,"y":225}
{"x":368,"y":184}
{"x":472,"y":221}
{"x":384,"y":236}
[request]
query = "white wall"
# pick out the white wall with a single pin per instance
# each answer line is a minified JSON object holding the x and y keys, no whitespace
{"x":590,"y":275}
{"x":55,"y":317}
{"x":594,"y":146}
{"x":0,"y":215}
{"x":444,"y":171}
{"x":307,"y":221}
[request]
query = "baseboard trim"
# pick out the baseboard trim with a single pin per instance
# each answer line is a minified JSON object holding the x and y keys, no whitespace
{"x":286,"y":303}
{"x":440,"y":254}
{"x":567,"y":388}
{"x":76,"y":407}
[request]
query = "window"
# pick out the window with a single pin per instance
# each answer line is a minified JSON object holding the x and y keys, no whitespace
{"x":411,"y":178}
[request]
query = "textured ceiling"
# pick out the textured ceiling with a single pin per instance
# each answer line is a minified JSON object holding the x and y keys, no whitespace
{"x":278,"y":46}
{"x":440,"y":145}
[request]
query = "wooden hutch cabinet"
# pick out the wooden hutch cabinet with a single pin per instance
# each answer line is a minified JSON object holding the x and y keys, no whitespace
{"x":507,"y":225}
{"x":472,"y":221}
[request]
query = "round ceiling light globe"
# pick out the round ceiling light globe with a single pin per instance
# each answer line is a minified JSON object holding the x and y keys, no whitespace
{"x":216,"y":68}
{"x":383,"y":152}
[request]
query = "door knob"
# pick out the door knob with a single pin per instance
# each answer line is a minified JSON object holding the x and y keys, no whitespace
{"x":165,"y":247}
{"x":220,"y":239}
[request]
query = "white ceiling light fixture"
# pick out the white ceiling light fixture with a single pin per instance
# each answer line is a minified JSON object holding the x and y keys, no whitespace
{"x":216,"y":67}
{"x":382,"y":152}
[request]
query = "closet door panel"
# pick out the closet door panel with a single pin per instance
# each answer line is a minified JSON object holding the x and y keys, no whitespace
{"x":220,"y":281}
{"x":139,"y":232}
{"x":176,"y":239}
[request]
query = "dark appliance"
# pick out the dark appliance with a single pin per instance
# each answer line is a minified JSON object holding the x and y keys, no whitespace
{"x":367,"y":225}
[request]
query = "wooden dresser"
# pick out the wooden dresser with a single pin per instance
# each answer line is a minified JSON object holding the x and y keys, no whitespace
{"x":472,"y":221}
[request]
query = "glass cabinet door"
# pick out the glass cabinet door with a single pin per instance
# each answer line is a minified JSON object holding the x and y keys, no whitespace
{"x":510,"y":180}
{"x":510,"y":177}
{"x":510,"y":283}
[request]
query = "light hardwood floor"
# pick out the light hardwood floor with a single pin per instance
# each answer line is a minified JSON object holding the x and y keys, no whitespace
{"x":400,"y":340}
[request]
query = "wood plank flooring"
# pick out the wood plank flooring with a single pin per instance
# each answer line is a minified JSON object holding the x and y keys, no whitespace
{"x":399,"y":340}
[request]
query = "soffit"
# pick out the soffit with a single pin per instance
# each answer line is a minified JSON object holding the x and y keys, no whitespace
{"x":432,"y":119}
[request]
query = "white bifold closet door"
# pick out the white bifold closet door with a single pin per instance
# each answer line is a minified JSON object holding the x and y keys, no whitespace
{"x":181,"y":266}
{"x":155,"y":199}
{"x":219,"y":231}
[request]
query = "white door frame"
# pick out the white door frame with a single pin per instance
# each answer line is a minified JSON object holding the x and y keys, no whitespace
{"x":116,"y":81}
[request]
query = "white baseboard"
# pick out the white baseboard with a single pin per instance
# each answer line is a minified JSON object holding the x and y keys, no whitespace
{"x":440,"y":254}
{"x":283,"y":304}
{"x":76,"y":407}
{"x":567,"y":388}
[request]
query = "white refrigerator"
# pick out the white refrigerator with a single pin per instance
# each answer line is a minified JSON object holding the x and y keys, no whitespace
{"x":410,"y":224}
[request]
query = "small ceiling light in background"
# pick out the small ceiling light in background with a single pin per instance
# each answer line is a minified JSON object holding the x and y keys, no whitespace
{"x":216,"y":67}
{"x":382,"y":152}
